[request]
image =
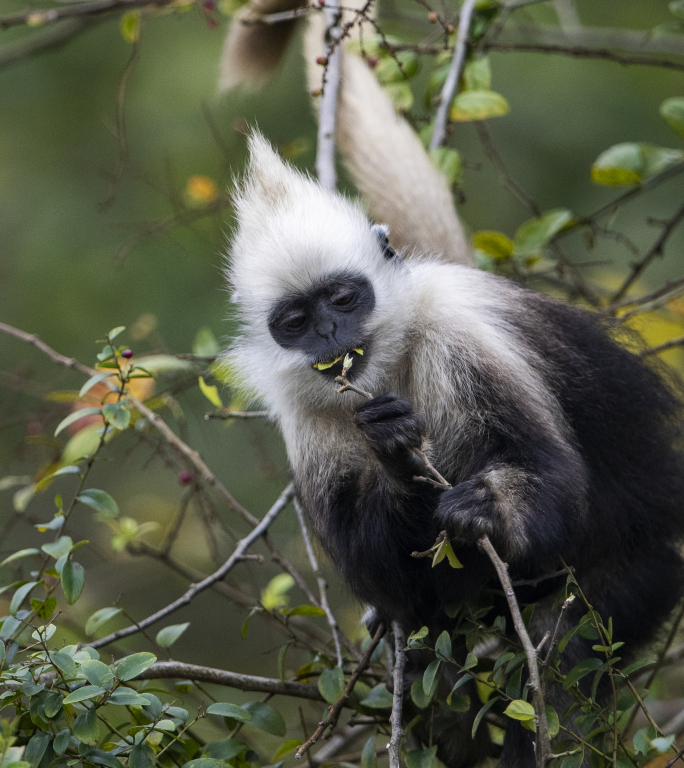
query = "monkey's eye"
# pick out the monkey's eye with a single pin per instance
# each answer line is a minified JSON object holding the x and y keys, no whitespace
{"x":342,"y":299}
{"x":294,"y":322}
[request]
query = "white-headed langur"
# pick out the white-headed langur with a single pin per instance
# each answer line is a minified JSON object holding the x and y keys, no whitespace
{"x":560,"y":444}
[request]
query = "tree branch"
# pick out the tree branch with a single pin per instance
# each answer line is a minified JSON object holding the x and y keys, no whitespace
{"x":35,"y":17}
{"x":398,"y":694}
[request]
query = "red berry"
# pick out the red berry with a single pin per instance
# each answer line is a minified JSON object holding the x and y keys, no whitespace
{"x":209,"y":5}
{"x":322,"y":60}
{"x":127,"y":353}
{"x":184,"y":477}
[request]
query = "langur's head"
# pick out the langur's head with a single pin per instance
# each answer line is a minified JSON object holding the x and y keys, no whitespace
{"x":313,"y":280}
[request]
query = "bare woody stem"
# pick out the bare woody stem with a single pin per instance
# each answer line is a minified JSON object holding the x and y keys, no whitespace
{"x":542,"y":744}
{"x":336,"y":708}
{"x":398,"y":695}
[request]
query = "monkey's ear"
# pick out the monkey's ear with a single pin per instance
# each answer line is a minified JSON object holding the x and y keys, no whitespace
{"x":381,"y":231}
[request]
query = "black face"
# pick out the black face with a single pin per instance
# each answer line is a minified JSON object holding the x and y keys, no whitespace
{"x":325,"y":322}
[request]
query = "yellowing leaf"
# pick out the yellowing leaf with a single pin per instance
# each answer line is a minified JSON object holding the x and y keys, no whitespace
{"x":130,"y":26}
{"x":632,"y":163}
{"x":478,"y":105}
{"x":520,"y":710}
{"x":200,"y":191}
{"x":210,"y":392}
{"x":494,"y":244}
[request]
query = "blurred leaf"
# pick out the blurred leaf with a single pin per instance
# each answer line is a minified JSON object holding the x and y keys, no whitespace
{"x":226,"y":749}
{"x":305,"y":610}
{"x":44,"y":609}
{"x":201,"y":191}
{"x":631,"y":163}
{"x":580,"y":670}
{"x":210,"y":392}
{"x":93,"y":380}
{"x":131,"y":666}
{"x":478,"y":105}
{"x":167,"y":637}
{"x":130,"y":25}
{"x":378,"y":698}
{"x":642,"y":739}
{"x":142,"y":756}
{"x":266,"y":718}
{"x":397,"y":70}
{"x":205,"y":344}
{"x":331,"y":684}
{"x":73,"y":579}
{"x":70,"y":470}
{"x":422,"y":758}
{"x":275,"y":593}
{"x":285,"y":748}
{"x":54,"y":525}
{"x":400,"y":94}
{"x":672,"y":110}
{"x":99,"y":618}
{"x":22,"y":498}
{"x":477,"y":75}
{"x":418,"y":694}
{"x":81,"y":694}
{"x":225,"y":709}
{"x":20,"y":595}
{"x":58,"y":548}
{"x":520,"y":710}
{"x":676,"y":8}
{"x":100,"y":501}
{"x":75,"y":416}
{"x":494,"y":244}
{"x":20,"y":554}
{"x":11,"y":480}
{"x":663,"y":743}
{"x":369,"y":758}
{"x":36,"y":747}
{"x":448,"y":163}
{"x":85,"y":727}
{"x":478,"y":718}
{"x":117,"y":414}
{"x":535,"y":233}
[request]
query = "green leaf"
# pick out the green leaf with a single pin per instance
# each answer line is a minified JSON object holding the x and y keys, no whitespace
{"x":676,"y":8}
{"x":632,"y":163}
{"x":275,"y":593}
{"x":73,"y":579}
{"x":477,"y":75}
{"x":85,"y":727}
{"x":422,"y":758}
{"x":54,"y":525}
{"x":400,"y":94}
{"x":129,"y":25}
{"x":580,"y":670}
{"x":99,"y":618}
{"x":96,"y":672}
{"x":369,"y":758}
{"x":419,"y":634}
{"x":44,"y":608}
{"x":128,"y":697}
{"x":672,"y":110}
{"x":470,"y":662}
{"x":100,"y":501}
{"x":285,"y":748}
{"x":305,"y":610}
{"x":81,"y":694}
{"x":331,"y":684}
{"x":457,"y":685}
{"x":75,"y":416}
{"x":418,"y":694}
{"x":20,"y":595}
{"x":266,"y":718}
{"x":478,"y":105}
{"x":58,"y":548}
{"x":115,"y":332}
{"x":378,"y":698}
{"x":61,"y":741}
{"x":642,"y":739}
{"x":36,"y":747}
{"x":533,"y":234}
{"x":225,"y":709}
{"x":637,"y":665}
{"x":142,"y":756}
{"x":520,"y":710}
{"x":205,"y":344}
{"x":397,"y":70}
{"x":117,"y":414}
{"x":225,"y":749}
{"x":200,"y":762}
{"x":93,"y":380}
{"x":552,"y":721}
{"x":448,"y":163}
{"x":430,"y":677}
{"x":64,"y":663}
{"x":494,"y":244}
{"x":133,"y":665}
{"x":478,"y":717}
{"x":210,"y":392}
{"x":18,"y":555}
{"x":70,"y":470}
{"x":443,"y":645}
{"x":167,"y":637}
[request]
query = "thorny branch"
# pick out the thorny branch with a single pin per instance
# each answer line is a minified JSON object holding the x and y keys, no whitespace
{"x":336,"y":708}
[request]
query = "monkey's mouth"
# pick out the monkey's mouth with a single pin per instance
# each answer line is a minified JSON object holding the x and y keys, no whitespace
{"x":335,"y":365}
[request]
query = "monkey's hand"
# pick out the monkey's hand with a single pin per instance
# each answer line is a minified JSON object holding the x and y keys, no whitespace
{"x":393,"y":431}
{"x":468,"y":511}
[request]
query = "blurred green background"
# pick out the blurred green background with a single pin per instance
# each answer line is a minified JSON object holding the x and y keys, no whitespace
{"x":70,"y":269}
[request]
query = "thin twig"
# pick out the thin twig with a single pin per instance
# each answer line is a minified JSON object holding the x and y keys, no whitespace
{"x":322,"y":586}
{"x":542,"y":744}
{"x":664,"y":290}
{"x":46,"y":16}
{"x":451,"y":83}
{"x":336,"y":708}
{"x":398,"y":694}
{"x":678,"y":342}
{"x":228,"y":414}
{"x":219,"y":574}
{"x":327,"y":115}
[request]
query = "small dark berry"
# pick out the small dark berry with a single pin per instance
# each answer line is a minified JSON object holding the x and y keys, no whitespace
{"x":184,"y":477}
{"x":322,"y":60}
{"x":372,"y":61}
{"x":127,"y":353}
